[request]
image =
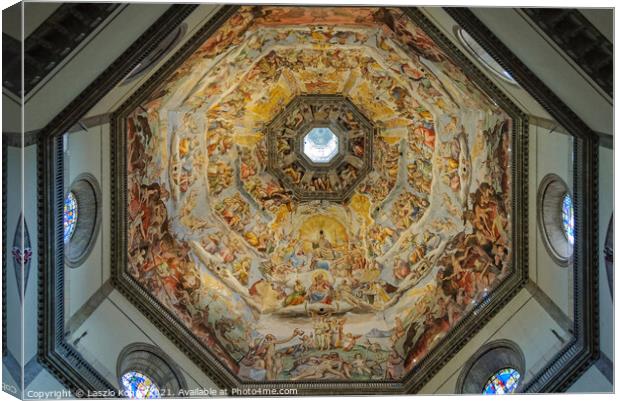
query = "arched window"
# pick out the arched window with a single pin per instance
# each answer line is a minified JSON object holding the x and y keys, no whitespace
{"x":82,"y":217}
{"x":137,"y":385}
{"x":145,"y":371}
{"x":70,"y":216}
{"x":483,"y":56}
{"x":556,"y":219}
{"x":504,"y":381}
{"x":496,"y":368}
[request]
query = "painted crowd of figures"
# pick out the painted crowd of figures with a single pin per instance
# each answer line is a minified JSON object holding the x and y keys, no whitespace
{"x":326,"y":352}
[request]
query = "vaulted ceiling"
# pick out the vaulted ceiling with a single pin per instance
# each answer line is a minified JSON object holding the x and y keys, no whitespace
{"x":272,"y":258}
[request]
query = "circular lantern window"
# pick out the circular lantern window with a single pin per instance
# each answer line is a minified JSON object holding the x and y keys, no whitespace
{"x":321,"y":145}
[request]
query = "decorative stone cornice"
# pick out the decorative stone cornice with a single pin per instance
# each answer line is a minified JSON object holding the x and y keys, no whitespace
{"x":580,"y":40}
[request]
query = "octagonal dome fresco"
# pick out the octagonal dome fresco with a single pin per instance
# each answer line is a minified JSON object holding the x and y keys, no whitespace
{"x":250,"y":246}
{"x":321,"y":145}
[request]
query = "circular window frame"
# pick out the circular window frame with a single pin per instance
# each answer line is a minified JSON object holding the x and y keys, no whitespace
{"x":458,"y":33}
{"x":87,"y":193}
{"x":487,"y":361}
{"x":551,"y":193}
{"x":151,"y":361}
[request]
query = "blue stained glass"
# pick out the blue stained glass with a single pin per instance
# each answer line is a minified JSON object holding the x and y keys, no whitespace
{"x":70,"y":216}
{"x":504,"y":381}
{"x":568,"y":219}
{"x":139,"y":386}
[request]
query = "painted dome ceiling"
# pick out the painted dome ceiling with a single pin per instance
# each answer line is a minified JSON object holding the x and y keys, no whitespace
{"x":319,"y":194}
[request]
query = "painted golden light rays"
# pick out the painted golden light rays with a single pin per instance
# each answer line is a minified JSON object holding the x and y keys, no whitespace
{"x":282,"y":288}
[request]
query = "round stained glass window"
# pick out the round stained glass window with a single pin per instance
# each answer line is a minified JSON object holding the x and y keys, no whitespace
{"x":321,"y":145}
{"x":504,"y":381}
{"x":70,"y":216}
{"x":556,"y":218}
{"x":139,"y":386}
{"x":568,"y":219}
